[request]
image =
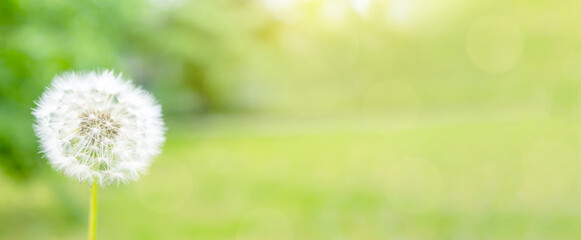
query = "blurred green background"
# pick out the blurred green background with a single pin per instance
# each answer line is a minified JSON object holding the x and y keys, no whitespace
{"x":311,"y":119}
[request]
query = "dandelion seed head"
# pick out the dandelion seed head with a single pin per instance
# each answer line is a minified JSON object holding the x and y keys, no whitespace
{"x":96,"y":126}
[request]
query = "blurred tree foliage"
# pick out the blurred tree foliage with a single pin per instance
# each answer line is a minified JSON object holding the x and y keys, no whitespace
{"x":167,"y":49}
{"x":315,"y":57}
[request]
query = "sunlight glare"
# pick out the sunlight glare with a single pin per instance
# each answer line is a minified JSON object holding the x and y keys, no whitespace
{"x":401,"y":11}
{"x":284,"y":10}
{"x":334,"y":12}
{"x":422,"y":15}
{"x":361,"y":7}
{"x":278,"y":5}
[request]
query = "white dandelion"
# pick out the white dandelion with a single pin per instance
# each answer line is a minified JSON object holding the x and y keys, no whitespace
{"x":98,"y":127}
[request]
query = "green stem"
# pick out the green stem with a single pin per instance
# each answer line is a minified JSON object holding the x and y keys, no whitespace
{"x":93,"y":211}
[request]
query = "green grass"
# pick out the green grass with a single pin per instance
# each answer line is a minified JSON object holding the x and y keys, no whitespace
{"x":275,"y":179}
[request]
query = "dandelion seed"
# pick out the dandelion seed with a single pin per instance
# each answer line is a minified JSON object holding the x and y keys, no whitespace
{"x":99,"y":127}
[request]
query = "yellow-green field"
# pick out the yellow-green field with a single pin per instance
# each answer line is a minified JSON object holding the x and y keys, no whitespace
{"x":277,"y":178}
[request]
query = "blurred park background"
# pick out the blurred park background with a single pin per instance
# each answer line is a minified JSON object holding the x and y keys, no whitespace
{"x":311,"y":119}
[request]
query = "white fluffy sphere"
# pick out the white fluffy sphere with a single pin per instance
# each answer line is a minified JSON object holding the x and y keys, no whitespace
{"x":97,"y":126}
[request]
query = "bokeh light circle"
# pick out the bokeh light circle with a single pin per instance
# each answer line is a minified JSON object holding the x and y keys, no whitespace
{"x":495,"y":44}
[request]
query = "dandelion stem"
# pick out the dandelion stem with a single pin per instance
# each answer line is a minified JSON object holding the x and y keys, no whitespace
{"x":93,"y":211}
